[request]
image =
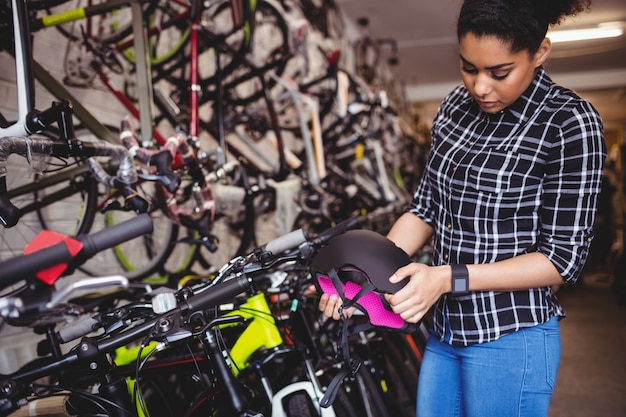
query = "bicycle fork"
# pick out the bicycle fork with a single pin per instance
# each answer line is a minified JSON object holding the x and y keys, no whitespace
{"x":226,"y":380}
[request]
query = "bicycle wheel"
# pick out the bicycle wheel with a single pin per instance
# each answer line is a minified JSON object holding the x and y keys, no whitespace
{"x":107,"y":37}
{"x":62,"y":199}
{"x":268,"y":48}
{"x":154,"y":254}
{"x":352,"y":398}
{"x":158,"y":255}
{"x":401,"y":365}
{"x":167,"y":33}
{"x":107,"y":26}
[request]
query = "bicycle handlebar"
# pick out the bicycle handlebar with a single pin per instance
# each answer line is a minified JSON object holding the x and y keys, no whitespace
{"x":172,"y":325}
{"x":283,"y":243}
{"x":116,"y":234}
{"x":26,"y":266}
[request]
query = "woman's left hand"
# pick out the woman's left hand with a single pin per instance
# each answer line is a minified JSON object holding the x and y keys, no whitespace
{"x":426,"y":285}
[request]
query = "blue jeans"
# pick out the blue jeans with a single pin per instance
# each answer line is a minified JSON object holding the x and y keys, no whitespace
{"x":513,"y":376}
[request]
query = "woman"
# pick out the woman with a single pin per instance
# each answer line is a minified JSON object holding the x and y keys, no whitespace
{"x":509,"y":195}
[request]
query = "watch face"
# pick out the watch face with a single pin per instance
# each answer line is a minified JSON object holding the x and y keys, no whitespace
{"x":459,"y":285}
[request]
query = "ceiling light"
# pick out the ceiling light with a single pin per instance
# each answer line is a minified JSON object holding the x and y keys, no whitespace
{"x":600,"y":32}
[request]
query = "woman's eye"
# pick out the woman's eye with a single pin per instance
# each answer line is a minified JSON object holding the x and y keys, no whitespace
{"x":468,"y":70}
{"x":500,"y":75}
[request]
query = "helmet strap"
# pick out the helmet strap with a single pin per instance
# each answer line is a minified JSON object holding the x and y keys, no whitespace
{"x":350,"y":367}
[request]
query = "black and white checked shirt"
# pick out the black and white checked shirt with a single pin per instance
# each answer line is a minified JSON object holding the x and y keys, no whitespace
{"x":499,"y":185}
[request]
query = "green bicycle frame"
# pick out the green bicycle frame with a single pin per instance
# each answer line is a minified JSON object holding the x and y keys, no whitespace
{"x":261,"y":331}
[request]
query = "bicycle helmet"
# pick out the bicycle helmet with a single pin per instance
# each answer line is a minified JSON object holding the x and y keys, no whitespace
{"x":357,"y":265}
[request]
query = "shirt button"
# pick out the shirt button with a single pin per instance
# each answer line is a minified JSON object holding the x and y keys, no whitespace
{"x":471,"y":143}
{"x":449,"y":226}
{"x":454,"y":169}
{"x":445,"y":256}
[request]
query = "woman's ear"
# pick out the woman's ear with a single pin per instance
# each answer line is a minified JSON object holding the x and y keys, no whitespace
{"x":543,"y":52}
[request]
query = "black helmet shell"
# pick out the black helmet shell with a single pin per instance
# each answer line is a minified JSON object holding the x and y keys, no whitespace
{"x":368,"y":251}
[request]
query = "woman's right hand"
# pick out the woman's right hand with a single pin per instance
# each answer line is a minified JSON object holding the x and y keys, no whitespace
{"x":329,"y":306}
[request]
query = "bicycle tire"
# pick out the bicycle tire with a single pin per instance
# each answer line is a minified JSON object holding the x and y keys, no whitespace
{"x":155,"y":254}
{"x":401,"y":366}
{"x":112,"y":26}
{"x":344,"y":404}
{"x":168,"y":32}
{"x":63,"y":200}
{"x":371,"y":398}
{"x":269,"y":49}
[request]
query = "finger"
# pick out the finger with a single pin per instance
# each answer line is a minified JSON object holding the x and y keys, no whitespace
{"x":414,"y":318}
{"x":403,"y":272}
{"x":323,"y":302}
{"x":332,"y":307}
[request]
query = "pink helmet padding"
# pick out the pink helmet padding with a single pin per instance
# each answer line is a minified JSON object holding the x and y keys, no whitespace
{"x":370,"y":302}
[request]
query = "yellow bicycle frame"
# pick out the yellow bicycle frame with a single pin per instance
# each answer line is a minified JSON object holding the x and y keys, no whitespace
{"x":261,"y":331}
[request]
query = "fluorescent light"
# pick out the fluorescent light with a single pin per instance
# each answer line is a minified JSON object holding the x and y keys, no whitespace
{"x":600,"y":32}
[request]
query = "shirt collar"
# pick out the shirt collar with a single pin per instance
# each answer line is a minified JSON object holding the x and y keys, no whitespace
{"x":526,"y":105}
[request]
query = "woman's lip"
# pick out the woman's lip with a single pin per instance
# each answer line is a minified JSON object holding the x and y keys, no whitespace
{"x":487,"y":104}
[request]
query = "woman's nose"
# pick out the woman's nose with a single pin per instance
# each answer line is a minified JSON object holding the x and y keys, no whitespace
{"x":482,"y":85}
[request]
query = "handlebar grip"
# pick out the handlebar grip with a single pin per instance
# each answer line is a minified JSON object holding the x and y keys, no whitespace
{"x":283,"y":243}
{"x":23,"y":266}
{"x":216,"y":294}
{"x":114,"y":235}
{"x":78,"y":329}
{"x":339,"y":228}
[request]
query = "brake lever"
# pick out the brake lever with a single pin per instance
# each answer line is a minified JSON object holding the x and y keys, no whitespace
{"x":86,"y":285}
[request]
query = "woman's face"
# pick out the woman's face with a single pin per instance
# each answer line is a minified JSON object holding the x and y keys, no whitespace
{"x":494,"y":76}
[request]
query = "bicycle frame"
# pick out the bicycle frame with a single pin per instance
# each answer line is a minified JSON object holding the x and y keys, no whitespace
{"x":139,"y":43}
{"x":261,"y":331}
{"x":23,"y":72}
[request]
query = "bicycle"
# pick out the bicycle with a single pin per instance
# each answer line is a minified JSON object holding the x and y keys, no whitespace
{"x":39,"y":152}
{"x":196,"y":34}
{"x":100,"y":206}
{"x":192,"y":319}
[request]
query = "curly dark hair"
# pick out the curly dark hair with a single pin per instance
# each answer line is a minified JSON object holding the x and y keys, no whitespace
{"x":521,"y":23}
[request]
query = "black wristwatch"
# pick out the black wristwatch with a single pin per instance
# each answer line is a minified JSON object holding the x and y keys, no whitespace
{"x":460,"y":279}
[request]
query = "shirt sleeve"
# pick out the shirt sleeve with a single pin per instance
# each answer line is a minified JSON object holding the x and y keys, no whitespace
{"x":571,"y":188}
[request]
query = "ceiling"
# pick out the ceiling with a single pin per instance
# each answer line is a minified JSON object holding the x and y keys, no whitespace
{"x":425,"y":36}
